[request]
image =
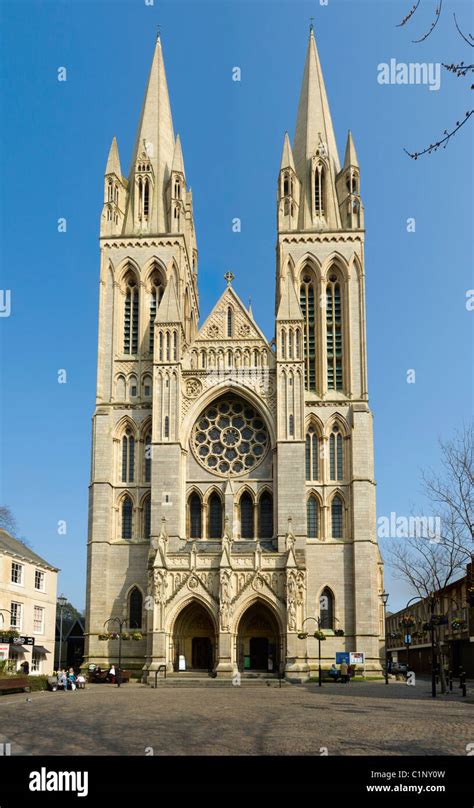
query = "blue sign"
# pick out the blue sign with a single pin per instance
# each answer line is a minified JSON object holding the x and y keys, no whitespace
{"x":342,"y":656}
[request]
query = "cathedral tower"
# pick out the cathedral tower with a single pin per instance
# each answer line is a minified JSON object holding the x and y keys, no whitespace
{"x":232,"y":496}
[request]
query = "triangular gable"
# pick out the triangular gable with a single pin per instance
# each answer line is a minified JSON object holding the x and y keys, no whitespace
{"x":214,"y":329}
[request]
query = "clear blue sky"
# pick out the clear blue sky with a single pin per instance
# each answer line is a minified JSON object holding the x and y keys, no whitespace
{"x":54,"y":148}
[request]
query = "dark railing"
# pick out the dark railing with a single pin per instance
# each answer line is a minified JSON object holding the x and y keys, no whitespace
{"x":158,"y":670}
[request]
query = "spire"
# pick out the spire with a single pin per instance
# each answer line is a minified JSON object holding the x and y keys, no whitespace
{"x":289,"y":307}
{"x":113,"y":160}
{"x":287,"y":155}
{"x":350,"y":158}
{"x":168,"y":310}
{"x":155,"y":141}
{"x":314,"y":129}
{"x":178,"y":162}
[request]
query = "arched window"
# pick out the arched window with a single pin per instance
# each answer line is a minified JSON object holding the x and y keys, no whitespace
{"x":128,"y":457}
{"x":291,"y":424}
{"x":146,"y":197}
{"x":167,"y":426}
{"x":175,"y":345}
{"x":147,"y":458}
{"x":195,"y":516}
{"x":319,"y":181}
{"x":312,"y":513}
{"x":334,"y":334}
{"x":215,"y":516}
{"x":247,"y":530}
{"x":127,"y":517}
{"x":130,"y":325}
{"x":307,"y":304}
{"x":311,"y":455}
{"x":298,"y":344}
{"x":290,"y":344}
{"x":156,"y":293}
{"x":283,"y":343}
{"x":336,"y":458}
{"x":230,"y":324}
{"x":286,"y":185}
{"x":326,"y":609}
{"x":147,"y":518}
{"x":135,"y":606}
{"x":266,"y":515}
{"x":337,"y":517}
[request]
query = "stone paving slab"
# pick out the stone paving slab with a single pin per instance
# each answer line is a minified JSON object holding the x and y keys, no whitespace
{"x":355,"y":719}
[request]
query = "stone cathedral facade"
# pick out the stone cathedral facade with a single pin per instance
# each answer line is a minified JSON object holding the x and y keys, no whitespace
{"x":232,"y":496}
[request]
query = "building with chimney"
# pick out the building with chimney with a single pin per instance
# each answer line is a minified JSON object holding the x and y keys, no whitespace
{"x":232,"y":495}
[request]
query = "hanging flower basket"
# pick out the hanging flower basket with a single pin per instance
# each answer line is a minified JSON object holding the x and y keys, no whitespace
{"x":458,"y":624}
{"x":408,"y":621}
{"x":125,"y":635}
{"x":137,"y":635}
{"x":12,"y":632}
{"x":104,"y":636}
{"x":339,"y":632}
{"x":320,"y":635}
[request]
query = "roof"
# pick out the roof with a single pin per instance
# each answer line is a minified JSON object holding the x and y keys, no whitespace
{"x":17,"y":548}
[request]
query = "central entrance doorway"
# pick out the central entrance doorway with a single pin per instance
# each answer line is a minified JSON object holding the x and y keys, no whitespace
{"x":258,"y":640}
{"x":194,"y":639}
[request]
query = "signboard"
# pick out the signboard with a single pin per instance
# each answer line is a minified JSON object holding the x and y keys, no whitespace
{"x":357,"y":658}
{"x":342,"y":656}
{"x":181,"y":662}
{"x":407,"y":639}
{"x":4,"y":650}
{"x":21,"y":640}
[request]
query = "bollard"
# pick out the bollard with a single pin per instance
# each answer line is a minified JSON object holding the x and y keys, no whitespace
{"x":464,"y":688}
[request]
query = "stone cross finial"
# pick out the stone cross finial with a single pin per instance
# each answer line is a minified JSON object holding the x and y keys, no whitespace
{"x":229,"y":277}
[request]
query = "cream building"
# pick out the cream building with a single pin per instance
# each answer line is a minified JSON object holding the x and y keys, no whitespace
{"x":27,"y":604}
{"x":232,"y":492}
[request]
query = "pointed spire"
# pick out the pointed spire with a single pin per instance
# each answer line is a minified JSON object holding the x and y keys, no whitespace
{"x":113,"y":160}
{"x":350,"y":158}
{"x":168,"y":310}
{"x":178,"y":162}
{"x":289,"y":308}
{"x":250,"y":310}
{"x":287,"y":155}
{"x":313,"y":128}
{"x":155,"y":138}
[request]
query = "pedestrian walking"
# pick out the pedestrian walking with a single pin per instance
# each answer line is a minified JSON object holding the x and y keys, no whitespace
{"x":343,"y":670}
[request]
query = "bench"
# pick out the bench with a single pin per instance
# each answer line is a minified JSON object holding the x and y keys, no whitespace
{"x":14,"y":683}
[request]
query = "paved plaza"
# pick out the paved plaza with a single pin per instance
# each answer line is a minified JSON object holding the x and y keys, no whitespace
{"x":355,"y":719}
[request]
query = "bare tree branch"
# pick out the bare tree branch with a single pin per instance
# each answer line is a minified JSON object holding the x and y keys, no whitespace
{"x":443,"y":142}
{"x":469,"y":39}
{"x":433,"y":24}
{"x":408,"y":16}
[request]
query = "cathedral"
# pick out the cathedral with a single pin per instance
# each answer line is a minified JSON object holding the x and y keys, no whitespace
{"x":232,"y":523}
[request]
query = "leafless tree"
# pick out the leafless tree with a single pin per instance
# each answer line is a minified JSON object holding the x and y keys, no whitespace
{"x":7,"y":520}
{"x":428,"y":565}
{"x":460,"y":70}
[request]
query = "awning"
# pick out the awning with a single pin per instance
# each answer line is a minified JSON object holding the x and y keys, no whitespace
{"x":19,"y":649}
{"x":40,"y":649}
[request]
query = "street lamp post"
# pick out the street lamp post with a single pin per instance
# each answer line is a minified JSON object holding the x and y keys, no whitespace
{"x":121,"y":624}
{"x":61,"y":603}
{"x":384,"y":597}
{"x":316,"y":635}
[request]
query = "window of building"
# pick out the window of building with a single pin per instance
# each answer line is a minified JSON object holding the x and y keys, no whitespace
{"x":247,"y":530}
{"x":336,"y":458}
{"x":312,"y":513}
{"x":16,"y":618}
{"x":229,"y":322}
{"x":17,"y":573}
{"x":147,"y":518}
{"x":39,"y":580}
{"x":311,"y":454}
{"x":35,"y":662}
{"x":135,"y":608}
{"x":266,"y":515}
{"x":326,"y":609}
{"x":167,"y":426}
{"x":333,"y":334}
{"x":319,"y":182}
{"x":215,"y":516}
{"x":337,"y":517}
{"x":127,"y":517}
{"x":195,"y":516}
{"x":130,"y":328}
{"x":38,"y":620}
{"x":128,"y":457}
{"x":148,"y":453}
{"x":307,"y":304}
{"x":291,"y":425}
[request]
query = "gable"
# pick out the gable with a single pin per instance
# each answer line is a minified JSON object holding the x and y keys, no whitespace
{"x":244,"y":328}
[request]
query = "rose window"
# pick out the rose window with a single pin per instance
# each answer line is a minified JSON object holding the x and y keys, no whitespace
{"x":230,"y":437}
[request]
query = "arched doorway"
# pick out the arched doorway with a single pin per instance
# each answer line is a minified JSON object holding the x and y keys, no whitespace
{"x":194,"y":637}
{"x":258,"y":640}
